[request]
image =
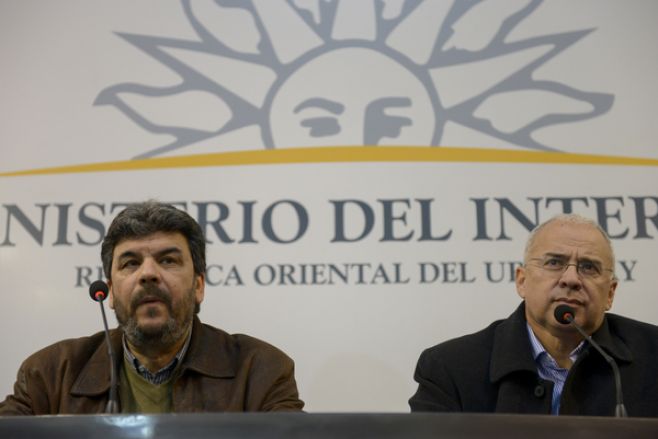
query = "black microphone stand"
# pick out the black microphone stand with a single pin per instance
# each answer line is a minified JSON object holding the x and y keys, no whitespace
{"x":112,"y":404}
{"x":565,"y":315}
{"x":620,"y":410}
{"x":98,"y":291}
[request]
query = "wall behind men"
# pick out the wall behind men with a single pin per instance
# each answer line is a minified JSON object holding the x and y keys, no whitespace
{"x":366,"y":173}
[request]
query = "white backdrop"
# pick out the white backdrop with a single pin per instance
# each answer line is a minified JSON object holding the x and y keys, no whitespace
{"x":93,"y":82}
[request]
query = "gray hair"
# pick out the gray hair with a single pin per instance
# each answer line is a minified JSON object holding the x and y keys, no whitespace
{"x":571,"y":218}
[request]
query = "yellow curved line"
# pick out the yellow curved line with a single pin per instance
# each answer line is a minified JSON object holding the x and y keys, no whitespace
{"x":347,"y":154}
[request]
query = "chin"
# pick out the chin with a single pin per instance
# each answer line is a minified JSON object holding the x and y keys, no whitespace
{"x":152,"y":328}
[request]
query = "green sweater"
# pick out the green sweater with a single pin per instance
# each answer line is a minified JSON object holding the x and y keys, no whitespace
{"x":137,"y":395}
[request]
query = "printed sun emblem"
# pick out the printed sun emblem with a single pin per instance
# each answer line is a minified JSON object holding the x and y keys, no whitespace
{"x":303,"y":73}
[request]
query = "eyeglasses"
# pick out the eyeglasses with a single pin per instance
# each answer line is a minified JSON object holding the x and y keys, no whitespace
{"x":585,"y":268}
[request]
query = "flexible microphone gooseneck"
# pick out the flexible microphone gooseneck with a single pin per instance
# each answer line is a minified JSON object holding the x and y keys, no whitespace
{"x":566,"y":315}
{"x":98,"y":291}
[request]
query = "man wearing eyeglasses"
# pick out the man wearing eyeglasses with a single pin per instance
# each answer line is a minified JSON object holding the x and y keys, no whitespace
{"x":532,"y":363}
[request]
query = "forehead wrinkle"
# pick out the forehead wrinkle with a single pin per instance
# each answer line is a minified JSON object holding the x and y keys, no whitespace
{"x":151,"y":245}
{"x":571,"y":222}
{"x":570,"y":247}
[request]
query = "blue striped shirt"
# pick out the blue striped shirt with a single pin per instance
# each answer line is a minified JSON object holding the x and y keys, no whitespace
{"x":548,"y":369}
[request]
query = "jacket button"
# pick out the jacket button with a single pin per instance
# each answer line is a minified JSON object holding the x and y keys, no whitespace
{"x":539,"y":391}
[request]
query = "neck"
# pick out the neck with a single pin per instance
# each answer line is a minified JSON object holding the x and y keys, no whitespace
{"x":558,"y":346}
{"x":155,"y":356}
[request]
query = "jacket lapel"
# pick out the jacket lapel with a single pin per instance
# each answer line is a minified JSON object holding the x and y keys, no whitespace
{"x":511,"y":347}
{"x":217,"y":359}
{"x":94,"y":379}
{"x":614,"y":346}
{"x":513,"y":369}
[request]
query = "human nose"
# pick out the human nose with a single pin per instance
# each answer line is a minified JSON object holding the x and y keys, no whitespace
{"x":570,"y":277}
{"x":148,"y":272}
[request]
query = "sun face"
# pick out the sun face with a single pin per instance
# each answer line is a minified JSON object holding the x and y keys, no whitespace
{"x":330,"y":73}
{"x":311,"y":109}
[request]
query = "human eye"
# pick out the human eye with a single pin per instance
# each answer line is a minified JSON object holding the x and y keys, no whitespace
{"x":553,"y":263}
{"x":170,"y":259}
{"x":589,"y":268}
{"x":129,"y":264}
{"x":167,"y":260}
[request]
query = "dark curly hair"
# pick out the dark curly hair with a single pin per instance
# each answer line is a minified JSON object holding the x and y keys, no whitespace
{"x":149,"y":217}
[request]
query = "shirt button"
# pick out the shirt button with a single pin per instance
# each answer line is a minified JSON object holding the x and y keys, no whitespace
{"x":539,"y":391}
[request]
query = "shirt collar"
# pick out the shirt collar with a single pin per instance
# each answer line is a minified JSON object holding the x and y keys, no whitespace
{"x":538,"y":348}
{"x":161,"y":375}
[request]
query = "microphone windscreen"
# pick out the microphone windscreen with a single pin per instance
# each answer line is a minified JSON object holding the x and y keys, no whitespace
{"x":98,"y":290}
{"x":564,"y":314}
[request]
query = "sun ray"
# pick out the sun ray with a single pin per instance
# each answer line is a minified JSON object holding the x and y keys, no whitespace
{"x":460,"y":82}
{"x":230,"y":27}
{"x":522,"y":79}
{"x":416,"y":35}
{"x":310,"y":9}
{"x":291,"y":37}
{"x":243,"y":111}
{"x":498,"y":45}
{"x":488,"y":18}
{"x":163,"y":110}
{"x":355,"y":20}
{"x":531,"y":105}
{"x":210,"y":43}
{"x":249,"y":80}
{"x":318,"y":15}
{"x":391,"y":9}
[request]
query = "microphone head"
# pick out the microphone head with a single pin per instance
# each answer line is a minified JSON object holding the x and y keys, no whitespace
{"x":564,"y":314}
{"x":98,"y":290}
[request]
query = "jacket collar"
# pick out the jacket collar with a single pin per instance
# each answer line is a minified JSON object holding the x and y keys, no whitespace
{"x":204,"y":357}
{"x":612,"y":344}
{"x":212,"y":352}
{"x":512,"y":352}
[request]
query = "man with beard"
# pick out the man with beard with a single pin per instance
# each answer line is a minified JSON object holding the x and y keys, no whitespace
{"x":533,"y":363}
{"x":154,"y":259}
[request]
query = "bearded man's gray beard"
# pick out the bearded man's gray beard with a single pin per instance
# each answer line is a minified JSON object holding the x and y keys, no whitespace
{"x":155,"y":338}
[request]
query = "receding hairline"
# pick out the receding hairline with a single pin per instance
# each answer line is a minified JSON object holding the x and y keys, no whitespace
{"x":567,"y":218}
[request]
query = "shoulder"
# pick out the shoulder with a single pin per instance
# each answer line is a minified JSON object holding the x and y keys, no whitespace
{"x":75,"y":351}
{"x":631,"y":330}
{"x":464,"y":359}
{"x":477,"y":343}
{"x":244,"y":346}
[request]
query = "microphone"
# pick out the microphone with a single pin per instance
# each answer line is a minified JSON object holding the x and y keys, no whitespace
{"x":566,"y":315}
{"x":98,"y":291}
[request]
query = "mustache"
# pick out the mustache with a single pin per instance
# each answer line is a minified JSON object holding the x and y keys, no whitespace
{"x":150,"y":291}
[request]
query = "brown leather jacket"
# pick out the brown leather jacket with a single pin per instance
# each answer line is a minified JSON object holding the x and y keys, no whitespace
{"x":220,"y":372}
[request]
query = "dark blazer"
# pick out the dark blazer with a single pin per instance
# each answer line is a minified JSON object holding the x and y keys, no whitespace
{"x":493,"y":371}
{"x":220,"y":372}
